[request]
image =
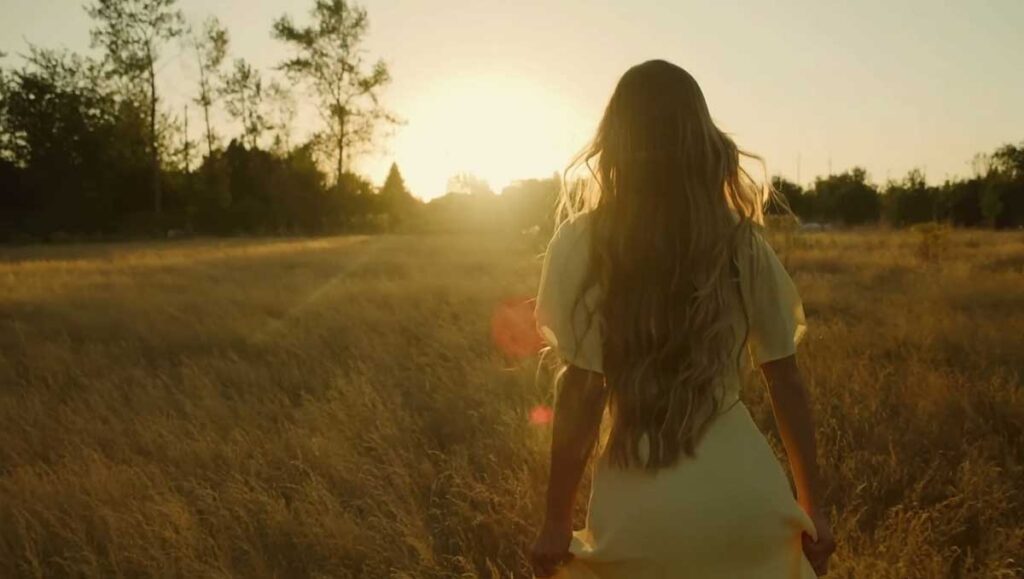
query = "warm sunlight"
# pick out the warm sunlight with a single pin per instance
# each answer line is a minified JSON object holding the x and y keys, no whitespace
{"x":497,"y":127}
{"x":293,"y":288}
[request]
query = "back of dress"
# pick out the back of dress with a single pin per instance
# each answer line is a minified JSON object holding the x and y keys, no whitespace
{"x":767,"y":303}
{"x":725,"y":512}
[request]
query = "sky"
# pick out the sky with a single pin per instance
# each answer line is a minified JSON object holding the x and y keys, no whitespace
{"x":511,"y":90}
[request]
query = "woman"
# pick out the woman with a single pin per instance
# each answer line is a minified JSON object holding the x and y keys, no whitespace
{"x":655,"y":287}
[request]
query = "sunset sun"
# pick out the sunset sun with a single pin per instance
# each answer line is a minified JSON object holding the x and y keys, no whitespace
{"x":496,"y":127}
{"x":548,"y":290}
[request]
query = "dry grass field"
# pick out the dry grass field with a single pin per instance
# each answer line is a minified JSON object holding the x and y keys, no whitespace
{"x":337,"y":408}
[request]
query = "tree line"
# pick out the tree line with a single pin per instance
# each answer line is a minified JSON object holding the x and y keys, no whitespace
{"x":89,"y":147}
{"x":993,"y":197}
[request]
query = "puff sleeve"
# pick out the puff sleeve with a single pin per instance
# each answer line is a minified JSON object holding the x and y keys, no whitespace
{"x":563,"y":311}
{"x":775,"y":312}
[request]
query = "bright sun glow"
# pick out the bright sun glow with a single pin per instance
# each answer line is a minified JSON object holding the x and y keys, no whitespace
{"x":498,"y":128}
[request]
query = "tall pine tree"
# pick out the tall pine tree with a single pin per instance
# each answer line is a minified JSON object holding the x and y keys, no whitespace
{"x":398,"y":203}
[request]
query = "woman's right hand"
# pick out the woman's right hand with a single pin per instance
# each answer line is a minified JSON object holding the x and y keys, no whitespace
{"x":818,"y":552}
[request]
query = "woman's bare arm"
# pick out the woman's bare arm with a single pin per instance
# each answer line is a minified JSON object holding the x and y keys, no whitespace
{"x":792,"y":409}
{"x":578,"y":410}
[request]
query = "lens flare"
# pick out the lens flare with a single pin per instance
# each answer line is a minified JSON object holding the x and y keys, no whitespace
{"x":514,"y":328}
{"x":541,"y":415}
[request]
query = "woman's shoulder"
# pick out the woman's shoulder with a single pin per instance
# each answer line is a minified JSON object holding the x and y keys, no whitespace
{"x":751,"y":239}
{"x":571,"y":235}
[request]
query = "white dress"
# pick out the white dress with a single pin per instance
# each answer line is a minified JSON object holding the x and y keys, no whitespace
{"x":727,"y":512}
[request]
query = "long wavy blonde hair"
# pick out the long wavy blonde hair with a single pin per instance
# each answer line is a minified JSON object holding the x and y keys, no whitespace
{"x":669,"y":203}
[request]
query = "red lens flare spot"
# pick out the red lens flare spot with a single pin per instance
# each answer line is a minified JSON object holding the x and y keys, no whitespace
{"x":541,"y":415}
{"x":514,"y":328}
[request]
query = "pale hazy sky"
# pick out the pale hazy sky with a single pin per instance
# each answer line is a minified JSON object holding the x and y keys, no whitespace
{"x":511,"y":89}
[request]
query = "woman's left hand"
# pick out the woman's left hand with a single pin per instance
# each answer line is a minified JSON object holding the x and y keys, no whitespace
{"x":551,"y":548}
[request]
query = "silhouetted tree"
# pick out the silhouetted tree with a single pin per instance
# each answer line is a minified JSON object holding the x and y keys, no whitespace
{"x":132,"y":33}
{"x":910,"y":200}
{"x":328,"y":56}
{"x":75,"y":151}
{"x":253,"y":191}
{"x":211,"y":46}
{"x":991,"y":200}
{"x":397,"y":202}
{"x":353,"y":204}
{"x":799,"y":202}
{"x":960,"y":202}
{"x":243,"y":99}
{"x":1008,"y":160}
{"x":1003,"y":198}
{"x":847,"y":198}
{"x":282,"y":111}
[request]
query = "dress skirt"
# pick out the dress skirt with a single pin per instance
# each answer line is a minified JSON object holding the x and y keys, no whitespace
{"x":726,"y":513}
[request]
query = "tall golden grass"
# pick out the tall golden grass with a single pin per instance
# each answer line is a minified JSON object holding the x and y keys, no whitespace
{"x":336,"y":407}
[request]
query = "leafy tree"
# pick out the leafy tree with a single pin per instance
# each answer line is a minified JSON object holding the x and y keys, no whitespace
{"x":847,"y":198}
{"x":132,"y":33}
{"x":991,"y":201}
{"x":253,"y":191}
{"x":329,"y":58}
{"x":960,"y":202}
{"x":1008,"y":160}
{"x":353,"y":204}
{"x":243,"y":99}
{"x":282,"y":111}
{"x":211,"y":46}
{"x":76,"y":152}
{"x":910,"y":200}
{"x":1006,"y":187}
{"x":799,"y":202}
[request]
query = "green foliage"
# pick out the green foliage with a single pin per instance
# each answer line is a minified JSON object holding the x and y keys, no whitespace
{"x":243,"y":99}
{"x":75,"y":150}
{"x":328,"y":56}
{"x":1008,"y":161}
{"x":282,"y":111}
{"x":792,"y":200}
{"x":960,"y":202}
{"x":211,"y":47}
{"x":1001,"y":193}
{"x":910,"y":200}
{"x":81,"y":140}
{"x":991,"y":201}
{"x":131,"y":33}
{"x":847,"y":198}
{"x":1003,"y":200}
{"x":244,"y":190}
